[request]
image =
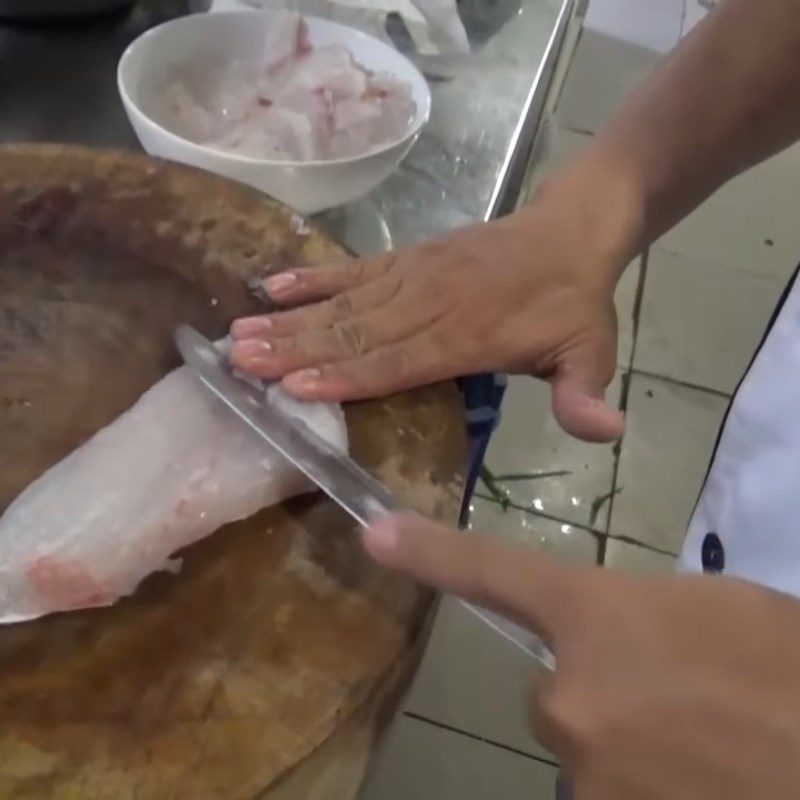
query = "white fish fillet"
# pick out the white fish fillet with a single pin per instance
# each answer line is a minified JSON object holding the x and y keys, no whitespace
{"x":173,"y":469}
{"x":286,"y":38}
{"x":299,"y":102}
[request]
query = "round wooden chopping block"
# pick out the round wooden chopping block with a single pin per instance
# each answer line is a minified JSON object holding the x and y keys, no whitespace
{"x":269,"y":665}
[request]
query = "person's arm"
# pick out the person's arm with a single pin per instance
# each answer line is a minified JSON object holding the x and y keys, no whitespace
{"x":533,"y":293}
{"x":727,"y":98}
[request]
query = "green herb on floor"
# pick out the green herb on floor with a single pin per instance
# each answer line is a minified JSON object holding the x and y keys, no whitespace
{"x":512,"y":477}
{"x":498,"y":493}
{"x":599,"y":502}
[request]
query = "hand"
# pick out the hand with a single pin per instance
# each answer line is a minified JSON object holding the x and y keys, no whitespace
{"x":674,"y":688}
{"x":532,"y":293}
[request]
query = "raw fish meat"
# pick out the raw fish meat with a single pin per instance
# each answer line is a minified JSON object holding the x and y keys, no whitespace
{"x":173,"y":469}
{"x":287,"y":37}
{"x":299,"y":103}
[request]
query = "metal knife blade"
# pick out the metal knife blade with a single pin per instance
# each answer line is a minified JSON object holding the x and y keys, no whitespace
{"x":352,"y":487}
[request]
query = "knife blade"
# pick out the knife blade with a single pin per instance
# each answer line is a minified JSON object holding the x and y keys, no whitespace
{"x":344,"y":481}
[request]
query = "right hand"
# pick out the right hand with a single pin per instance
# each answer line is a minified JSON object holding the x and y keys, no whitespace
{"x":665,"y":688}
{"x":531,"y":293}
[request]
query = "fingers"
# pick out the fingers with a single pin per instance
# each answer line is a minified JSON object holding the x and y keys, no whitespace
{"x":274,"y":358}
{"x":324,"y":314}
{"x":316,"y":283}
{"x":377,"y":373}
{"x":523,"y":585}
{"x":368,"y":341}
{"x":540,"y":691}
{"x":321,"y":336}
{"x":584,"y":416}
{"x":578,"y":390}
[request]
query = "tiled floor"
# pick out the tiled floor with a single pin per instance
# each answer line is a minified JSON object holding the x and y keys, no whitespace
{"x":425,"y":762}
{"x":705,"y":293}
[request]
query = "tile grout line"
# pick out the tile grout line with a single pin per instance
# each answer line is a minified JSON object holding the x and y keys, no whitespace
{"x":579,"y":131}
{"x":638,"y":301}
{"x":623,"y":400}
{"x":717,"y":262}
{"x":541,"y":514}
{"x":636,"y":543}
{"x":499,"y":745}
{"x":598,"y":535}
{"x":683,"y":384}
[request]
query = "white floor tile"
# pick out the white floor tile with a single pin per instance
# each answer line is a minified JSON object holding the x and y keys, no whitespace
{"x":473,"y":680}
{"x":559,"y":538}
{"x":652,"y":24}
{"x":701,"y":321}
{"x":670,"y":436}
{"x":602,"y":72}
{"x":530,"y":441}
{"x":750,"y":223}
{"x":632,"y":558}
{"x":423,"y":762}
{"x":470,"y":678}
{"x":695,"y":12}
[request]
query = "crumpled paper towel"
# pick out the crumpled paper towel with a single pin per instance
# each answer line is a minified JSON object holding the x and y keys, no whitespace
{"x":434,"y":25}
{"x":445,"y":26}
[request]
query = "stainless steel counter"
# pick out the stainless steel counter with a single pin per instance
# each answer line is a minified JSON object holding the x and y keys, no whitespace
{"x":58,"y":83}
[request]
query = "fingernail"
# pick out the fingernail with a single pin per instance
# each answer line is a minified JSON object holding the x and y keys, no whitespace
{"x":254,"y":347}
{"x":251,"y":354}
{"x":381,"y":538}
{"x":280,"y":283}
{"x":306,"y":378}
{"x":248,"y":327}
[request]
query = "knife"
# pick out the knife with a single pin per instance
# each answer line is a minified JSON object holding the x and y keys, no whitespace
{"x":338,"y":476}
{"x":344,"y":481}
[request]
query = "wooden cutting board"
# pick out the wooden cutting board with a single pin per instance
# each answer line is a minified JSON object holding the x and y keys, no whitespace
{"x":269,"y":665}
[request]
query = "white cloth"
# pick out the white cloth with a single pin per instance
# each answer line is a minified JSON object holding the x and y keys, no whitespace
{"x":434,"y":25}
{"x":751,"y":499}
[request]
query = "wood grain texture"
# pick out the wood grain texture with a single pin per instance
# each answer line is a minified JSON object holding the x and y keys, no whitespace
{"x":269,"y":666}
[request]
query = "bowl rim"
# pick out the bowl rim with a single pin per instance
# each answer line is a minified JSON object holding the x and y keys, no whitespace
{"x":423,"y":114}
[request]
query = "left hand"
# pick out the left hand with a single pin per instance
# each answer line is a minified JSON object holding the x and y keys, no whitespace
{"x":666,"y":688}
{"x":532,"y":293}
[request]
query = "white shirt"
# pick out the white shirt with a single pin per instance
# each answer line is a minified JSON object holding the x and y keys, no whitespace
{"x":751,"y":498}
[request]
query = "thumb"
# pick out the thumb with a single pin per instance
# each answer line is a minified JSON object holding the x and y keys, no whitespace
{"x":578,"y":391}
{"x":523,"y":585}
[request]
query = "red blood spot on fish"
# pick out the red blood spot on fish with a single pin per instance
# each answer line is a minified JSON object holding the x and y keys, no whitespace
{"x":264,"y":102}
{"x":66,"y":583}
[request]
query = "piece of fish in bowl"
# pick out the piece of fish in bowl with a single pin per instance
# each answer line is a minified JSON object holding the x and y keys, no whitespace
{"x":299,"y":102}
{"x":310,"y":111}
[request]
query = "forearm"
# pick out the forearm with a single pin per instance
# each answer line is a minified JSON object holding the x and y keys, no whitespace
{"x":725,"y":99}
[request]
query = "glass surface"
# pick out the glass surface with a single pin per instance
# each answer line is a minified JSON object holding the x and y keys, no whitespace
{"x":470,"y":159}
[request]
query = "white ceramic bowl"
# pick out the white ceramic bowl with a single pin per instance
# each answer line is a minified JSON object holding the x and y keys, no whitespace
{"x":307,"y":186}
